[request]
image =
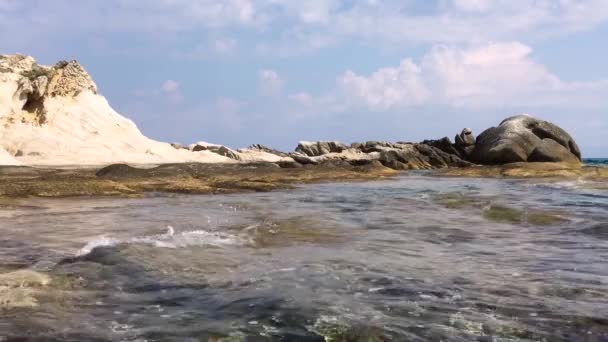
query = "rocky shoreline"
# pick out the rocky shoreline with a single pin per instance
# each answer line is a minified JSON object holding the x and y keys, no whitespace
{"x":189,"y":178}
{"x":198,"y":178}
{"x":58,"y":135}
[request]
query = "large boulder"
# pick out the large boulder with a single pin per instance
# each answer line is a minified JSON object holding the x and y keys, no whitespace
{"x":523,"y":138}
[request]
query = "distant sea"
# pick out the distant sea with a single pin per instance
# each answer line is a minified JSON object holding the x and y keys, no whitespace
{"x":596,"y":161}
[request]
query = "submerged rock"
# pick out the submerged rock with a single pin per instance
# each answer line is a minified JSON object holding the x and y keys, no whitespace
{"x":523,"y":138}
{"x":517,"y":216}
{"x":17,"y":288}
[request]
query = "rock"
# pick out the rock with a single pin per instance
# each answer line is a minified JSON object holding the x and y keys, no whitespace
{"x":54,"y":116}
{"x":419,"y":156}
{"x":69,"y":79}
{"x":263,"y":148}
{"x":445,"y":145}
{"x":465,"y":138}
{"x":178,"y":146}
{"x":118,"y":170}
{"x":376,"y":146}
{"x":523,"y":138}
{"x":217,"y":149}
{"x":17,"y":289}
{"x":226,"y":152}
{"x":303,"y":159}
{"x":549,"y":150}
{"x":465,"y":143}
{"x":319,"y":148}
{"x":289,"y":164}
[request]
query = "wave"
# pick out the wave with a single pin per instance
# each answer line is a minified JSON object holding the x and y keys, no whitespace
{"x":170,"y":239}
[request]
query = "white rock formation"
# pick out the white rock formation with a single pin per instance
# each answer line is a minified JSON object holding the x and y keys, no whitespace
{"x":54,"y":116}
{"x":7,"y":159}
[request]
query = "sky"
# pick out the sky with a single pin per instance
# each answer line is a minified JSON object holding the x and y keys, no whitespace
{"x":239,"y":72}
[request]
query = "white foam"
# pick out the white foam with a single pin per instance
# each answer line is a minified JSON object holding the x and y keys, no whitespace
{"x":170,"y":239}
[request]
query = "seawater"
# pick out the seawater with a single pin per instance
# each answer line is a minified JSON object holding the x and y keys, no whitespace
{"x":596,"y":161}
{"x":415,"y":258}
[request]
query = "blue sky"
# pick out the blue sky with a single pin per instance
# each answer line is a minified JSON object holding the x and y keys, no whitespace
{"x":274,"y":72}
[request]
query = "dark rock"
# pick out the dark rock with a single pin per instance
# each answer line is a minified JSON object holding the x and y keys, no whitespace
{"x":303,"y":159}
{"x":356,"y":146}
{"x":118,"y":170}
{"x":402,"y":159}
{"x":226,"y":152}
{"x":440,"y":159}
{"x":523,"y":138}
{"x":445,"y":145}
{"x":288,"y":164}
{"x":199,"y":148}
{"x":376,"y":146}
{"x":465,"y":138}
{"x":549,"y":150}
{"x":419,"y":156}
{"x":319,"y":148}
{"x":221,"y":150}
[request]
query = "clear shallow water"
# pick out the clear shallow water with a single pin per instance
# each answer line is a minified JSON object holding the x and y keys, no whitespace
{"x":411,"y":259}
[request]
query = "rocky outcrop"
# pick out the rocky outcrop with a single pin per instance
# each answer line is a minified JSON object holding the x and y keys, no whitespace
{"x":398,"y":156}
{"x":217,"y":149}
{"x":523,"y":138}
{"x":53,"y":115}
{"x":419,"y":157}
{"x":465,"y":143}
{"x":262,"y":148}
{"x":319,"y":148}
{"x":445,"y":145}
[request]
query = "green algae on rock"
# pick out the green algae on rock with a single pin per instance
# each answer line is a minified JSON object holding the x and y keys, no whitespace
{"x":191,"y":178}
{"x":517,"y":216}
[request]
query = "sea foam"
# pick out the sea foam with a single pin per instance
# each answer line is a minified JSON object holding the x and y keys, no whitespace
{"x":170,"y":239}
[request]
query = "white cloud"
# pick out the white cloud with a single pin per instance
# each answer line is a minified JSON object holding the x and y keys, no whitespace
{"x":303,"y":99}
{"x":387,"y":87}
{"x":492,"y":76}
{"x":314,"y":23}
{"x":171,"y":89}
{"x":224,"y":45}
{"x":270,"y":82}
{"x":472,"y":5}
{"x":170,"y":86}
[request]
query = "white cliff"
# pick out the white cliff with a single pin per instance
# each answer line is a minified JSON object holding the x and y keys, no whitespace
{"x":54,"y":116}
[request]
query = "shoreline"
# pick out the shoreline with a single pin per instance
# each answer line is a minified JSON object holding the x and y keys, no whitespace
{"x":197,"y":178}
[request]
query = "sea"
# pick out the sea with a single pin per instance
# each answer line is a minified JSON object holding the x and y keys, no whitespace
{"x":414,"y":258}
{"x":596,"y":161}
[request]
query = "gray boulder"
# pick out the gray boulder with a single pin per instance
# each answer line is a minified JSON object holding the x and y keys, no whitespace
{"x":465,"y":143}
{"x":523,"y":138}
